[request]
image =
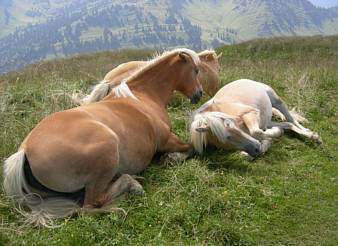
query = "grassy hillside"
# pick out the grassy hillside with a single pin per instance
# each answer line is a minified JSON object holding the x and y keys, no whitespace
{"x":287,"y":197}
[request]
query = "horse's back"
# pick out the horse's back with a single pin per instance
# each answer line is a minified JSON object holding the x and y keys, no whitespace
{"x":122,"y":71}
{"x":248,"y":94}
{"x":244,"y":91}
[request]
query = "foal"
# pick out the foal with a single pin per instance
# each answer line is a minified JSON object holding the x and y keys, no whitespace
{"x":87,"y":156}
{"x":208,"y":76}
{"x":238,"y":117}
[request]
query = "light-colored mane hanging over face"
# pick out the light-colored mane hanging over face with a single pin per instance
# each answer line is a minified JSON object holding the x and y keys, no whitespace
{"x":217,"y":123}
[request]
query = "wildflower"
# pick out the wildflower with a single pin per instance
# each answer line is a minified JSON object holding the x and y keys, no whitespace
{"x":72,"y":235}
{"x":225,"y":192}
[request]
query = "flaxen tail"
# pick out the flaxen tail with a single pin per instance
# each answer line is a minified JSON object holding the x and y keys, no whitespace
{"x":42,"y":210}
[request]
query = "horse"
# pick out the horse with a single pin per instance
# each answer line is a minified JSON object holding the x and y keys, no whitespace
{"x":208,"y":76}
{"x":239,"y":116}
{"x":84,"y":157}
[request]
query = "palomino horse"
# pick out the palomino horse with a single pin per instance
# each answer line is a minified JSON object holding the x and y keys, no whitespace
{"x":238,"y":117}
{"x":208,"y":76}
{"x":87,"y":156}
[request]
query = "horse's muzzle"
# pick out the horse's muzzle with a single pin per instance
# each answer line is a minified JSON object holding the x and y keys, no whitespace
{"x":197,"y":96}
{"x":253,"y":150}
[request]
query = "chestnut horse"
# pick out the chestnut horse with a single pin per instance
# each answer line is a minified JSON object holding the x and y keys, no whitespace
{"x":208,"y":76}
{"x":238,"y":117}
{"x":87,"y":156}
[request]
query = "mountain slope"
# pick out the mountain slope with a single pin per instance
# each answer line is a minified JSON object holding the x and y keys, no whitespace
{"x":65,"y":28}
{"x":325,"y":3}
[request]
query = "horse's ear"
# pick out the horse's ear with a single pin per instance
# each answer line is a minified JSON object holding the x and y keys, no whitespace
{"x":219,"y":56}
{"x":183,"y":56}
{"x":229,"y":123}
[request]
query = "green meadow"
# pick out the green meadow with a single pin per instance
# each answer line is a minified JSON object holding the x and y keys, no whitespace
{"x":287,"y":197}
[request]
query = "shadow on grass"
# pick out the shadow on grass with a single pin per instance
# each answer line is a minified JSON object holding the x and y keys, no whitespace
{"x":218,"y":159}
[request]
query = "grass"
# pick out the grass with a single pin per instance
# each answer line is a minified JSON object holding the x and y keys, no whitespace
{"x":287,"y":197}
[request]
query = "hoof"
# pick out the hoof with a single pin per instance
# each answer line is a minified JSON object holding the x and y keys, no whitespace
{"x":139,"y":179}
{"x":247,"y":156}
{"x":317,"y":138}
{"x":259,"y":134}
{"x":137,"y":190}
{"x":177,"y":156}
{"x":139,"y":193}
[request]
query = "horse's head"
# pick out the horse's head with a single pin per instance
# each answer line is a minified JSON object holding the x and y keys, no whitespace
{"x":210,"y":58}
{"x":223,"y":131}
{"x":209,"y":71}
{"x":188,"y":83}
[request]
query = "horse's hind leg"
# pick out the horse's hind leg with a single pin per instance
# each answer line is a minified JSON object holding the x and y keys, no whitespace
{"x":278,"y":103}
{"x":289,"y":126}
{"x":100,"y":193}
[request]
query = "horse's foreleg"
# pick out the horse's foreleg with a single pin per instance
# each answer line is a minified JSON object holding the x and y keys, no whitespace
{"x":278,"y":114}
{"x":274,"y":132}
{"x":177,"y":149}
{"x":251,"y":120}
{"x":101,"y":193}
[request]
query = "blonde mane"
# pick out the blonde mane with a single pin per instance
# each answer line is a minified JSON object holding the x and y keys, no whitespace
{"x":159,"y":58}
{"x":122,"y":90}
{"x":208,"y":52}
{"x":216,"y":121}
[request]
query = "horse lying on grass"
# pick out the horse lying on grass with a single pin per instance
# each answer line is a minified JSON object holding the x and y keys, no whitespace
{"x":238,"y":117}
{"x":87,"y":156}
{"x":208,"y":77}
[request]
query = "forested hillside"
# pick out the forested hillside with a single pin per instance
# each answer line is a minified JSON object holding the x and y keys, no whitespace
{"x":57,"y":28}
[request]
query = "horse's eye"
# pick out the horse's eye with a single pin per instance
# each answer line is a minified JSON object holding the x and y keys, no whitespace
{"x":197,"y":71}
{"x":229,"y":138}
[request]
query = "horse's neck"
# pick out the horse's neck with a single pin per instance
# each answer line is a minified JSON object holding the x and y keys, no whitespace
{"x":235,"y":111}
{"x":204,"y":67}
{"x":157,"y":83}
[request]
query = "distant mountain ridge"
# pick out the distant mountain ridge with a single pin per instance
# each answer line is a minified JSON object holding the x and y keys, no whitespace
{"x":325,"y":3}
{"x":59,"y":28}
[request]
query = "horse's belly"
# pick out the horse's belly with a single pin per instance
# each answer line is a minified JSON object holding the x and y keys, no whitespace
{"x":135,"y":156}
{"x":265,"y":116}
